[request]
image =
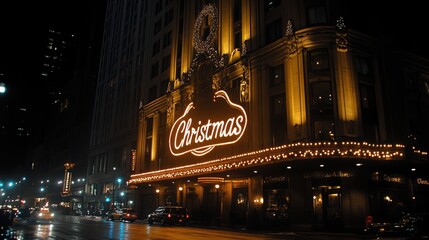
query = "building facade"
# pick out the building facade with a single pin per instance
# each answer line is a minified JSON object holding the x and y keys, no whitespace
{"x":275,"y":113}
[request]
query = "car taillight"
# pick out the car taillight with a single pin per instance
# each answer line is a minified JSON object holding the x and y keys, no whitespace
{"x":187,"y":216}
{"x":169,"y":215}
{"x":128,"y":214}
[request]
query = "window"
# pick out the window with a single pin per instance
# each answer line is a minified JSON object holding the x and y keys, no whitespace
{"x":154,"y":70}
{"x":278,"y":119}
{"x":148,"y":149}
{"x":277,"y":105}
{"x":276,"y":77}
{"x":157,"y":27}
{"x":93,"y":189}
{"x":425,"y":83}
{"x":158,"y":6}
{"x":273,"y":31}
{"x":316,"y":12}
{"x":237,"y":23}
{"x":167,"y":40}
{"x":152,"y":93}
{"x":168,"y":17}
{"x":271,"y":4}
{"x":166,"y":62}
{"x":319,"y":60}
{"x":155,"y":48}
{"x":364,"y":69}
{"x":320,"y":95}
{"x":163,"y":86}
{"x":368,"y":104}
{"x":324,"y":130}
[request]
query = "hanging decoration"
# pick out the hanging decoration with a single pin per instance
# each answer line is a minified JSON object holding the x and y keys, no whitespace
{"x":203,"y":47}
{"x":291,"y":39}
{"x":342,"y":41}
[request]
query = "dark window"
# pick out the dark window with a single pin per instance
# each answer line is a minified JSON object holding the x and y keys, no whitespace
{"x":364,"y":70}
{"x":155,"y":48}
{"x":167,"y":40}
{"x":277,"y":106}
{"x":273,"y":31}
{"x":319,"y":60}
{"x":157,"y":27}
{"x":316,"y":12}
{"x":324,"y":130}
{"x":321,"y":95}
{"x":158,"y":6}
{"x":148,"y":149}
{"x":163,"y":86}
{"x":276,"y":77}
{"x":166,"y":62}
{"x":368,"y":104}
{"x":152,"y":93}
{"x":154,"y":70}
{"x":237,"y":23}
{"x":271,"y":4}
{"x":168,"y":17}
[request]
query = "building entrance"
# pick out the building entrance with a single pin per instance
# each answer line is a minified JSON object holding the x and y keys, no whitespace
{"x":239,"y":206}
{"x":327,"y":207}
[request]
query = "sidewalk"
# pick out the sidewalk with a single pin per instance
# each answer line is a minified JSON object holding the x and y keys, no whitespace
{"x":279,"y":233}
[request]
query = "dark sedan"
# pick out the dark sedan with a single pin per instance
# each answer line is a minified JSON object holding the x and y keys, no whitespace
{"x":168,"y":215}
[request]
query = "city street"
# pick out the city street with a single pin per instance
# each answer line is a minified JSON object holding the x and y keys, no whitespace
{"x":76,"y":227}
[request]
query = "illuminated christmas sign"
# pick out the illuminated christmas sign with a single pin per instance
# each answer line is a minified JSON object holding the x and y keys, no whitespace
{"x":198,"y":131}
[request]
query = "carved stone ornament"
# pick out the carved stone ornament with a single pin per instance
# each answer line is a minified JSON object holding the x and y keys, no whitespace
{"x":341,"y":40}
{"x":170,"y":112}
{"x":291,"y":39}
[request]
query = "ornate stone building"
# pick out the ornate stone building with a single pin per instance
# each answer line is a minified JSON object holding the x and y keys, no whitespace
{"x":276,"y":113}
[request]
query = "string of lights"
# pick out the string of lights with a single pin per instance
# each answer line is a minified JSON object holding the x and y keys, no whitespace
{"x":288,"y":152}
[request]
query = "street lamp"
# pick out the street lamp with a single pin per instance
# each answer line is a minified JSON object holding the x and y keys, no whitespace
{"x":115,"y":190}
{"x":2,"y":88}
{"x":217,"y":198}
{"x":157,"y":197}
{"x":180,"y":196}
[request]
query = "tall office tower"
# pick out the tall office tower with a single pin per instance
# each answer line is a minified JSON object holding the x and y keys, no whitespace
{"x":58,"y":62}
{"x":69,"y":71}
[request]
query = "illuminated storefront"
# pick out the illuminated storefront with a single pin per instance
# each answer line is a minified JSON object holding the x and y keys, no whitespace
{"x":284,"y":135}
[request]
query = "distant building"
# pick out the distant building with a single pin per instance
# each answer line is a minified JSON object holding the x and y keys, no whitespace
{"x":69,"y":71}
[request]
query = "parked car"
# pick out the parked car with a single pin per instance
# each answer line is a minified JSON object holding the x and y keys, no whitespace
{"x":124,"y":214}
{"x":41,"y":215}
{"x":169,"y":215}
{"x":411,"y":226}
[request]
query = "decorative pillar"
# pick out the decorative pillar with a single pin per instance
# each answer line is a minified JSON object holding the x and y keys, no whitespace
{"x":347,"y":98}
{"x":295,"y":88}
{"x":155,"y":131}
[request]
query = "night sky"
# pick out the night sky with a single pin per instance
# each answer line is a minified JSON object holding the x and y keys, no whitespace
{"x":23,"y":25}
{"x":23,"y":28}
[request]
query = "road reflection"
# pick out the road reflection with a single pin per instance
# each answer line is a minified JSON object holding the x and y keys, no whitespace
{"x":84,"y":228}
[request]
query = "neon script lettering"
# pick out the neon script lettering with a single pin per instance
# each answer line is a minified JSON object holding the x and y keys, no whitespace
{"x":199,"y":132}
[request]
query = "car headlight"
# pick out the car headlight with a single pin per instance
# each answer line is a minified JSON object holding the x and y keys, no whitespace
{"x":52,"y":214}
{"x":40,"y":214}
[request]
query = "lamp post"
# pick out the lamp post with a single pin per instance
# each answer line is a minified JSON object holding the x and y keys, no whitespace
{"x":157,"y":197}
{"x":115,"y":190}
{"x":217,"y":199}
{"x":180,"y":195}
{"x":2,"y":88}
